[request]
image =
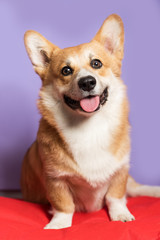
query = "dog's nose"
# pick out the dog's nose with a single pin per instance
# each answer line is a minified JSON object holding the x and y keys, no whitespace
{"x":87,"y":83}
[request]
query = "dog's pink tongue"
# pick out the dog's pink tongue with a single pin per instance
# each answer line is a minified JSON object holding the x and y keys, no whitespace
{"x":90,"y":104}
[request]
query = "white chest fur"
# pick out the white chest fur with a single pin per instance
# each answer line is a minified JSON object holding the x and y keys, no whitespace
{"x":89,"y":142}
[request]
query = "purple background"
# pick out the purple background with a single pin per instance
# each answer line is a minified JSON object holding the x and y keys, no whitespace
{"x":68,"y":23}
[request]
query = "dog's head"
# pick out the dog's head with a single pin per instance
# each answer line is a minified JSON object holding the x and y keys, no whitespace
{"x":81,"y":78}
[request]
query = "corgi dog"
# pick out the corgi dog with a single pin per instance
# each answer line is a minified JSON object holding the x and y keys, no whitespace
{"x":80,"y":159}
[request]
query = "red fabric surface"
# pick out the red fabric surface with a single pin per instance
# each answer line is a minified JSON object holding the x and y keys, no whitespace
{"x":21,"y":220}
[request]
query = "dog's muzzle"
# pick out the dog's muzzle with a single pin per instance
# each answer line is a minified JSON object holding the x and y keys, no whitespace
{"x":88,"y":104}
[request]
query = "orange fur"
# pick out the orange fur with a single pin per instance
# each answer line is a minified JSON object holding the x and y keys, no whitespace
{"x":31,"y":179}
{"x":117,"y":188}
{"x":120,"y":144}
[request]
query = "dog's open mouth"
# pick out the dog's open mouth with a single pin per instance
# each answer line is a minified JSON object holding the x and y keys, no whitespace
{"x":88,"y":104}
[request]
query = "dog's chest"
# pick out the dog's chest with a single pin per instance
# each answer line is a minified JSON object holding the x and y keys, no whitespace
{"x":89,"y":143}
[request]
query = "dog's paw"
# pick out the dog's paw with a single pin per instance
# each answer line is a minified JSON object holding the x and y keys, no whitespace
{"x":122,"y":215}
{"x":60,"y":220}
{"x":57,"y":225}
{"x":118,"y":210}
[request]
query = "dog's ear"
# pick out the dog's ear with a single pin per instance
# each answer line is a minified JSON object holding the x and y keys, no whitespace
{"x":39,"y":50}
{"x":111,"y":35}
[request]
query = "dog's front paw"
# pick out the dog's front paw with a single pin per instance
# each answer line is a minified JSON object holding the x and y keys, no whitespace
{"x":60,"y":220}
{"x":122,"y":215}
{"x":57,"y":225}
{"x":118,"y":210}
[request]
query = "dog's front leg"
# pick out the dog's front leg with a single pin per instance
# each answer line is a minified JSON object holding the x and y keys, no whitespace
{"x":116,"y":199}
{"x":62,"y":204}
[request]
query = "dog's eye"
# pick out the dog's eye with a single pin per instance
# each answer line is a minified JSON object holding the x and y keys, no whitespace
{"x":96,"y":63}
{"x":66,"y":71}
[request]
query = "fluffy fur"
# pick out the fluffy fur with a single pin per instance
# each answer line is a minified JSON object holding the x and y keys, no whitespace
{"x":80,"y":160}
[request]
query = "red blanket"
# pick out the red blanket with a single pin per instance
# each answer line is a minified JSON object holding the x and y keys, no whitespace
{"x":21,"y":220}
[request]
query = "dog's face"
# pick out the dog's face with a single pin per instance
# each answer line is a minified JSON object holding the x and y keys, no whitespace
{"x":80,"y":77}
